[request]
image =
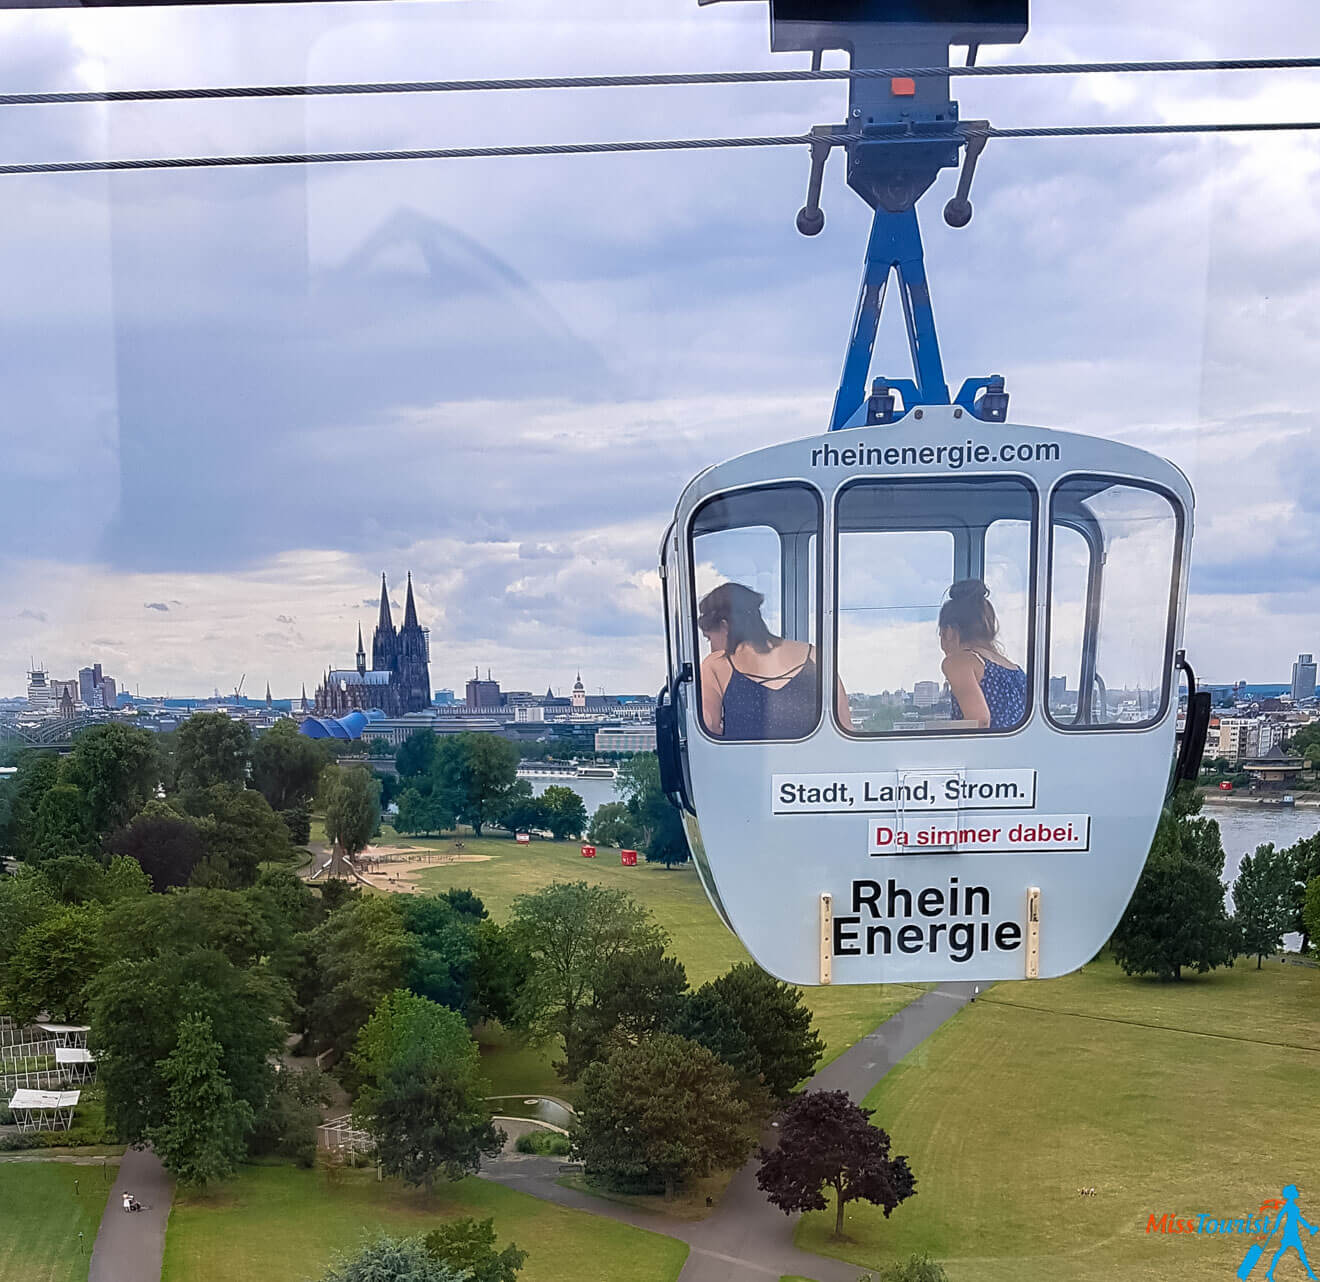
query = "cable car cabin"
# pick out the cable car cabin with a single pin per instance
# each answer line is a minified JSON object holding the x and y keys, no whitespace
{"x":871,"y":797}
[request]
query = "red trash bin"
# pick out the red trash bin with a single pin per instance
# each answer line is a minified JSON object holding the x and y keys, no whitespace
{"x":628,"y":858}
{"x":588,"y":852}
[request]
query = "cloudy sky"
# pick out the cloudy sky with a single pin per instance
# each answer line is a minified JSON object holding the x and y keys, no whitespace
{"x":231,"y":398}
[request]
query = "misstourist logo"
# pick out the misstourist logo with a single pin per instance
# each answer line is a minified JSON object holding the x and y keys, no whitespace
{"x":1279,"y":1223}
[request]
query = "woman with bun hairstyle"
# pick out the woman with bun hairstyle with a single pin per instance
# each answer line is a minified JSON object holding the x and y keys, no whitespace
{"x":987,"y":686}
{"x":755,"y":685}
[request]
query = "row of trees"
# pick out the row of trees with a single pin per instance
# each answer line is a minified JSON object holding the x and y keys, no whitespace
{"x":1177,"y":918}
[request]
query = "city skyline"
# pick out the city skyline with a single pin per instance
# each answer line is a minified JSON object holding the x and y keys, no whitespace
{"x":275,"y":382}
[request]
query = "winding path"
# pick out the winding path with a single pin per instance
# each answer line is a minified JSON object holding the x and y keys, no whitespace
{"x":131,"y":1248}
{"x":747,"y":1239}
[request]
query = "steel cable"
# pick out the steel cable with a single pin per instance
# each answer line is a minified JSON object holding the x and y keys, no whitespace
{"x":652,"y":145}
{"x":651,"y":81}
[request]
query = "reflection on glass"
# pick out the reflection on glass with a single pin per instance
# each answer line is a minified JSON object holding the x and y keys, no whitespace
{"x":914,"y":660}
{"x":1113,"y":563}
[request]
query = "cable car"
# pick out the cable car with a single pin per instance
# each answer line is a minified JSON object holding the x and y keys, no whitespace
{"x":944,"y":745}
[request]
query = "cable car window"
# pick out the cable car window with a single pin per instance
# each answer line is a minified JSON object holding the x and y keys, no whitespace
{"x":757,"y":612}
{"x":934,"y":604}
{"x":1115,"y":549}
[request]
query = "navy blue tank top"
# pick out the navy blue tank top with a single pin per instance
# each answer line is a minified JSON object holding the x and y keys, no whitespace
{"x":1005,"y":691}
{"x":755,"y":710}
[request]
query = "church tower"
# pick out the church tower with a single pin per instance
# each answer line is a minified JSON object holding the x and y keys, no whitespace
{"x":361,"y":653}
{"x":413,"y":659}
{"x":384,"y":645}
{"x":579,"y":695}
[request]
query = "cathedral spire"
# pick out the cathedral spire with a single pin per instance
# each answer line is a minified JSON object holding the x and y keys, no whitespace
{"x":410,"y":607}
{"x":268,"y":702}
{"x":361,"y":653}
{"x":384,"y":624}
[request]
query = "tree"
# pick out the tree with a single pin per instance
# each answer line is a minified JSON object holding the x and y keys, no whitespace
{"x":211,"y":749}
{"x":471,"y":772}
{"x":136,"y":1012}
{"x":287,"y":765}
{"x":167,"y":845}
{"x":36,"y":772}
{"x":60,"y":825}
{"x":613,"y":825}
{"x":117,"y":769}
{"x":1311,"y":907}
{"x":288,"y":1125}
{"x":1176,"y":917}
{"x":416,"y":754}
{"x":26,"y":899}
{"x":1263,"y":901}
{"x":827,"y":1141}
{"x":501,"y":969}
{"x":241,"y":833}
{"x":465,"y":902}
{"x":566,"y":812}
{"x":52,"y":964}
{"x":468,"y":1247}
{"x":658,"y":1113}
{"x":1304,"y":864}
{"x":519,"y":811}
{"x":772,"y":1041}
{"x":644,"y":996}
{"x":390,"y":1259}
{"x":352,"y":807}
{"x":661,"y":833}
{"x":378,"y":747}
{"x":575,"y":934}
{"x":439,"y":965}
{"x":200,"y":1139}
{"x":423,"y":1099}
{"x":422,"y":814}
{"x":357,"y":955}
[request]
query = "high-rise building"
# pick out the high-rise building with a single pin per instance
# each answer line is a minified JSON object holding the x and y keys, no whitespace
{"x":925,"y":694}
{"x":40,"y":695}
{"x":482,"y":694}
{"x":1303,"y":678}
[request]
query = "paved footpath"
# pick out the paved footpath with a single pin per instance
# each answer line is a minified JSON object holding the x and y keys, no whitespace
{"x":131,"y":1247}
{"x":747,"y":1239}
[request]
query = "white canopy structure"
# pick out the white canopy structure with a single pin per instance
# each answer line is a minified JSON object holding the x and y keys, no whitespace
{"x":75,"y":1062}
{"x":44,"y":1110}
{"x":66,"y":1034}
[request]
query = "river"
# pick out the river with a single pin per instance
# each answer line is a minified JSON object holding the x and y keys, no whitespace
{"x":594,"y":792}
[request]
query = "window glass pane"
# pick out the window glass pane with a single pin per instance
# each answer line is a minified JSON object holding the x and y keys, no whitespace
{"x":903,"y":548}
{"x":1071,"y":566}
{"x":754,"y":559}
{"x":1122,"y":670}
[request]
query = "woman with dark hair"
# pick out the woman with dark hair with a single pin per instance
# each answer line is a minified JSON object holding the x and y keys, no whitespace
{"x":755,"y":685}
{"x":987,"y":686}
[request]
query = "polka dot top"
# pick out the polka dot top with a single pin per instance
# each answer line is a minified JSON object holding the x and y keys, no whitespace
{"x":1005,"y":691}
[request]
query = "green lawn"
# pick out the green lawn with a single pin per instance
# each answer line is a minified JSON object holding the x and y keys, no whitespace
{"x":697,"y":938}
{"x":41,"y":1217}
{"x":1163,"y":1097}
{"x":280,"y":1224}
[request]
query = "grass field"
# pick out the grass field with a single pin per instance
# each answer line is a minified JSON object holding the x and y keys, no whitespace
{"x":41,"y":1217}
{"x":697,"y":938}
{"x":280,"y":1224}
{"x":1186,"y":1098}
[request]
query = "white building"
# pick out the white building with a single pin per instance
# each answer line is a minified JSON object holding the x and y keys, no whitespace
{"x":40,"y":693}
{"x":925,"y":694}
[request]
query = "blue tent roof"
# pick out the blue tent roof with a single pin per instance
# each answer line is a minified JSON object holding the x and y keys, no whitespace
{"x":349,"y":726}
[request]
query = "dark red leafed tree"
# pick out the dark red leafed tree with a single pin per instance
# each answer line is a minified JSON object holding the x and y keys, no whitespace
{"x":827,"y":1141}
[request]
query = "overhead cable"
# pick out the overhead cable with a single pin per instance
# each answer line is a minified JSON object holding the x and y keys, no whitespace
{"x":607,"y":148}
{"x":651,"y":81}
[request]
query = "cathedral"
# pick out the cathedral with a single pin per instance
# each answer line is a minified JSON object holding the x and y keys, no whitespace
{"x":399,"y":678}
